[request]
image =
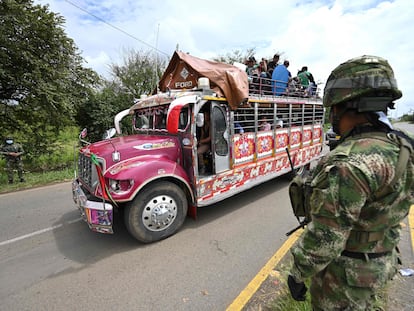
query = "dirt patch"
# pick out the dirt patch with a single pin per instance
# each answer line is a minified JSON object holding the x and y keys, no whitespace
{"x":274,"y":288}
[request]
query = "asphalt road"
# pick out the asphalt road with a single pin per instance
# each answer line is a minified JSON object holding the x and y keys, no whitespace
{"x":405,"y":126}
{"x":50,"y":260}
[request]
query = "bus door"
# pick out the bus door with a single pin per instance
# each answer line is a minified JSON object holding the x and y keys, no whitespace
{"x":220,"y":137}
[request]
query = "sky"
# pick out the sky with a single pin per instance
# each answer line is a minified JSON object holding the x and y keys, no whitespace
{"x":320,"y":34}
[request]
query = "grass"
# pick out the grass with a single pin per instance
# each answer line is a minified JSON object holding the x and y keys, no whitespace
{"x":284,"y":302}
{"x":33,"y":179}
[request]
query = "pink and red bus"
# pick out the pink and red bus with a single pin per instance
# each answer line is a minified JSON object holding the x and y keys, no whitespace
{"x":153,"y":175}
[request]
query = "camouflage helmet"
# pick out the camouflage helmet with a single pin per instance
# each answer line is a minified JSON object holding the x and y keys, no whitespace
{"x":369,"y":77}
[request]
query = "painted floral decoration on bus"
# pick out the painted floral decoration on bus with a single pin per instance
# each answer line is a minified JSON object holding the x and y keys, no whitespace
{"x":307,"y":134}
{"x":295,"y":138}
{"x":282,"y":140}
{"x":244,"y":147}
{"x":317,"y":134}
{"x":265,"y":144}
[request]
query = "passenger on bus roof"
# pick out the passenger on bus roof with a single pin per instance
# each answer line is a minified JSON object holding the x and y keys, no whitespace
{"x":273,"y":63}
{"x":307,"y":81}
{"x":280,"y":77}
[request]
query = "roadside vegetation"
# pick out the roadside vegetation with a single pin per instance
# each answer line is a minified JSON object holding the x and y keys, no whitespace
{"x":47,"y":95}
{"x":284,"y":302}
{"x":409,"y":117}
{"x":57,"y":166}
{"x":278,"y":297}
{"x":36,"y":179}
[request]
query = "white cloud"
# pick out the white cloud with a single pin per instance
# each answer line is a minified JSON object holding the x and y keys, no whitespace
{"x":320,"y":34}
{"x":99,"y":63}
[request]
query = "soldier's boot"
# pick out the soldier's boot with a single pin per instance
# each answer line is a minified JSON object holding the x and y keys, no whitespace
{"x":20,"y":173}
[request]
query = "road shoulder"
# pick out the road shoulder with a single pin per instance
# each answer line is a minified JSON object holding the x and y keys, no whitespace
{"x":399,"y":293}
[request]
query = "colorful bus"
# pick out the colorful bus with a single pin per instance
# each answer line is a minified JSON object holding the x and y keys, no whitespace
{"x":160,"y":174}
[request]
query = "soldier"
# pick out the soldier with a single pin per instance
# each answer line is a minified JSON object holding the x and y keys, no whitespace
{"x":13,"y":152}
{"x":359,"y":193}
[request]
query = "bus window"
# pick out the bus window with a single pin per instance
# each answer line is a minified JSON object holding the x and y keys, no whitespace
{"x":297,"y":115}
{"x":237,"y":124}
{"x":220,"y":128}
{"x":282,"y":115}
{"x":141,"y":122}
{"x":183,"y":122}
{"x":160,"y":121}
{"x":308,"y":114}
{"x":265,"y":118}
{"x":245,"y":118}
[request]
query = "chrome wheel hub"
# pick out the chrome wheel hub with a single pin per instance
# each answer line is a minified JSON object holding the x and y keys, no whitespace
{"x":159,"y":213}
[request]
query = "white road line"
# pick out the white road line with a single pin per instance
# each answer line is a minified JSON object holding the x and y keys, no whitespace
{"x":29,"y":235}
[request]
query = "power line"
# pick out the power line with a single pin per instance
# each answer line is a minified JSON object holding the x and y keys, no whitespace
{"x":117,"y":28}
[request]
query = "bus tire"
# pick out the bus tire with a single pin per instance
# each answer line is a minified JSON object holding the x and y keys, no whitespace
{"x":157,"y":212}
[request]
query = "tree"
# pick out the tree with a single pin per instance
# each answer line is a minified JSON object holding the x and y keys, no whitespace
{"x":42,"y":81}
{"x":138,"y":75}
{"x":408,"y":117}
{"x":97,"y":115}
{"x":240,"y":56}
{"x":235,"y":56}
{"x":140,"y":72}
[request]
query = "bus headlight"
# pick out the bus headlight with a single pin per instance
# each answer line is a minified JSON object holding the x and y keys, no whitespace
{"x":118,"y":186}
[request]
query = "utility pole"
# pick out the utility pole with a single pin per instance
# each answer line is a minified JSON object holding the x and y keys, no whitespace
{"x":156,"y":58}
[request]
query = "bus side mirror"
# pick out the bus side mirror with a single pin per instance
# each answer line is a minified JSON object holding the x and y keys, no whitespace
{"x":84,"y":133}
{"x":109,"y":133}
{"x":200,"y":120}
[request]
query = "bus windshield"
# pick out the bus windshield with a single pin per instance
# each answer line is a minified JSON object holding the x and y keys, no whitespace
{"x":154,"y":118}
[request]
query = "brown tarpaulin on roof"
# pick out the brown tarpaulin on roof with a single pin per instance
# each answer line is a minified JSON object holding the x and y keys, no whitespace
{"x":226,"y":80}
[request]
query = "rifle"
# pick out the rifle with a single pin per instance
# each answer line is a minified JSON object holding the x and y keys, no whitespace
{"x":304,"y":222}
{"x":9,"y":153}
{"x":302,"y":225}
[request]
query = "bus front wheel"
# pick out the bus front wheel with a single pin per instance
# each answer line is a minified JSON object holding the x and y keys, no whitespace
{"x":157,"y":212}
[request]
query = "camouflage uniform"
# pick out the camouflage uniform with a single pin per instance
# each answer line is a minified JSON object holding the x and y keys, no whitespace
{"x":342,"y":202}
{"x":349,"y":248}
{"x":13,"y":161}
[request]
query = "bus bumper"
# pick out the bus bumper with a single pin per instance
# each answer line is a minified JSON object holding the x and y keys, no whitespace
{"x":98,"y":215}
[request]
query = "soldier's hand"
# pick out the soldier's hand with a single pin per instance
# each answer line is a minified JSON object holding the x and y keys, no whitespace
{"x":297,"y":290}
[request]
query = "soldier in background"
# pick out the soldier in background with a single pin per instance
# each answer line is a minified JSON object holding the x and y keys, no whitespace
{"x":360,"y":192}
{"x":13,"y":153}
